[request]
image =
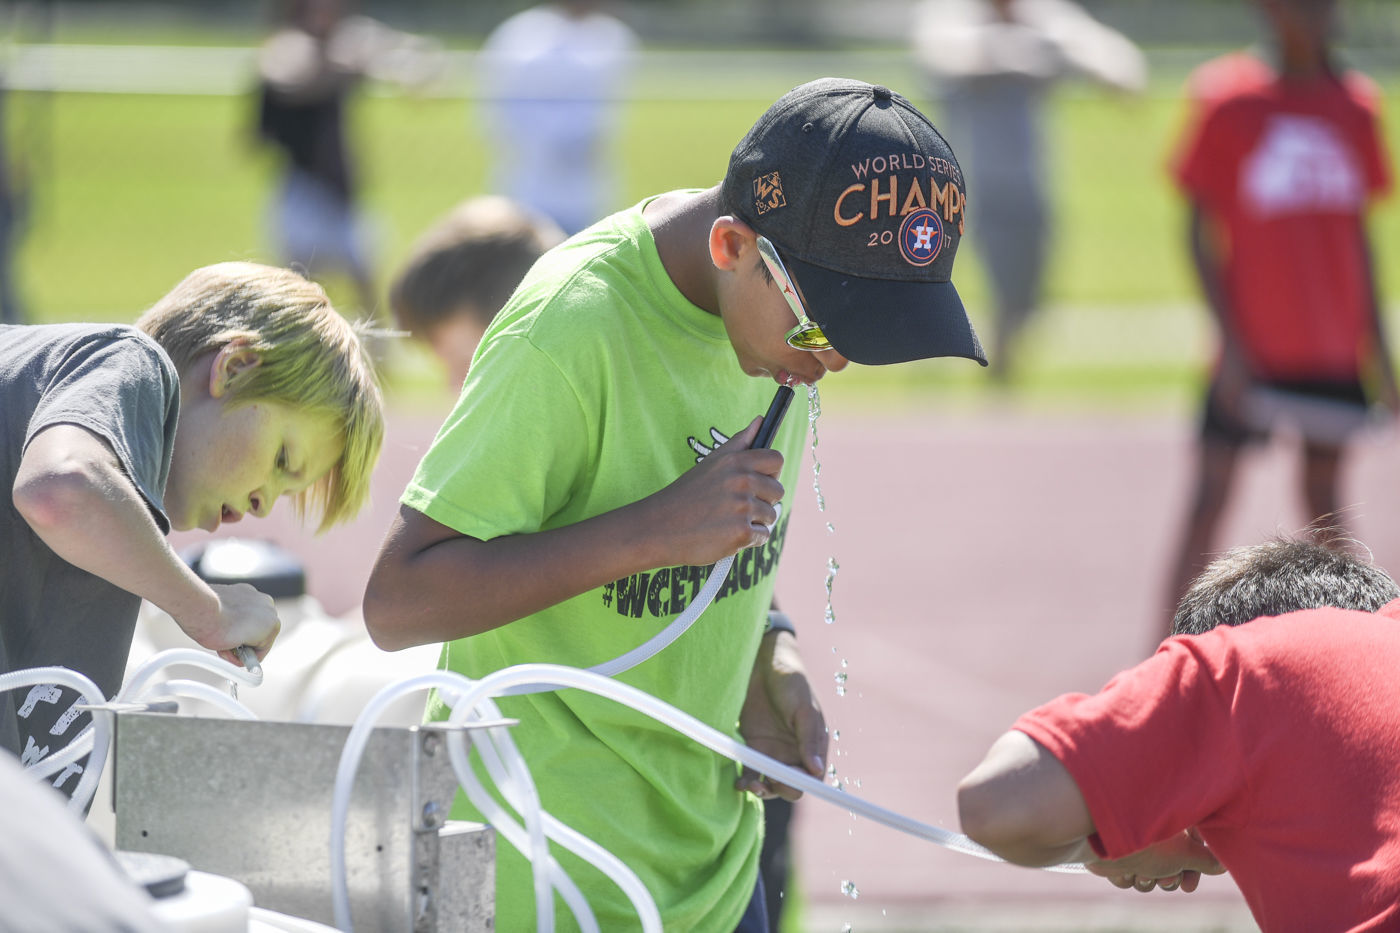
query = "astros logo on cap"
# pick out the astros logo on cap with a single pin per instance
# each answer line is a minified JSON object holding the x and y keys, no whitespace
{"x":921,"y":237}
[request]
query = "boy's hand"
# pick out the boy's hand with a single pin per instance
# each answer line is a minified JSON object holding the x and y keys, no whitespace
{"x":244,"y":616}
{"x":1173,"y":863}
{"x":781,"y":717}
{"x":721,"y":506}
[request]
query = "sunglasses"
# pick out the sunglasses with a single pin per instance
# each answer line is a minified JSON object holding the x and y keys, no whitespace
{"x":806,"y":335}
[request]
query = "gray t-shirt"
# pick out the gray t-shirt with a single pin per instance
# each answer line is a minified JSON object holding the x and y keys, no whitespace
{"x":119,"y":384}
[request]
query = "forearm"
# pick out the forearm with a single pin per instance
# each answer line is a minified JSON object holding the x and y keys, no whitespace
{"x":1379,"y":363}
{"x":432,"y":583}
{"x":1039,"y":853}
{"x":457,"y":586}
{"x":1022,"y":804}
{"x":1205,"y":259}
{"x":91,"y":516}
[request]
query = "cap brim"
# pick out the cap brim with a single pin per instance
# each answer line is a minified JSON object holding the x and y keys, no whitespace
{"x":878,"y":321}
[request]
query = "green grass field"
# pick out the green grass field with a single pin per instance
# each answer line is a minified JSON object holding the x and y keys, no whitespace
{"x":133,"y":191}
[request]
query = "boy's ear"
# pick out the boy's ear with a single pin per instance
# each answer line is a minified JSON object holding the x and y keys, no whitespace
{"x":233,"y":360}
{"x":730,"y":240}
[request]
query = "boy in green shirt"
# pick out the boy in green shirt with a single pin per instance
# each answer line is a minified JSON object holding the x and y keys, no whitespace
{"x":598,"y":460}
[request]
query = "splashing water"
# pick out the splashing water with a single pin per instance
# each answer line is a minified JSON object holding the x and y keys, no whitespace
{"x":848,"y":888}
{"x":814,"y":410}
{"x":831,"y":568}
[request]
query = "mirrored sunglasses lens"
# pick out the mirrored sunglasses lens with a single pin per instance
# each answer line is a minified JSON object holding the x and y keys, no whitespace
{"x":809,"y":337}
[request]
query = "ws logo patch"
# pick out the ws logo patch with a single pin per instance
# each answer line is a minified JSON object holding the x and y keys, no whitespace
{"x":768,"y":193}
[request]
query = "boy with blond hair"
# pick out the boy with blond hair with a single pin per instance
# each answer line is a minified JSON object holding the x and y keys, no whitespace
{"x":240,"y":386}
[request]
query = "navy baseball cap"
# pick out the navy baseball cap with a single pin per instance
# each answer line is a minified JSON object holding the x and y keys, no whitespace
{"x":865,"y":202}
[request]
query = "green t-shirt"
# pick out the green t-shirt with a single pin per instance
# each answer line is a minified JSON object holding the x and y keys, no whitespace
{"x":597,"y":385}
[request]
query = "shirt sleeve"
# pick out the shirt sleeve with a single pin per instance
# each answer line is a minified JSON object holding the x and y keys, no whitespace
{"x":509,"y":456}
{"x":1375,"y":160}
{"x":126,"y":392}
{"x":1154,"y":752}
{"x":1203,"y":168}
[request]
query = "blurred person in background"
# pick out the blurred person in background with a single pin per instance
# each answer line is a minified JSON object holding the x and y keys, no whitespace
{"x":306,"y":72}
{"x":991,"y":65}
{"x":1282,"y":156}
{"x":552,"y":80}
{"x":14,"y":198}
{"x":462,"y":270}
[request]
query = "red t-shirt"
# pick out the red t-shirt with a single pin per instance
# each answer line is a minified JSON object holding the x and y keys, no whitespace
{"x":1287,"y":168}
{"x":1279,"y":739}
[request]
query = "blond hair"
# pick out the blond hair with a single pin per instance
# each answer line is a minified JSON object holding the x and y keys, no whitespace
{"x":312,"y":359}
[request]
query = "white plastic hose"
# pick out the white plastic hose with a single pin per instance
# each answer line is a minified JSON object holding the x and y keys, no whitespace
{"x":50,"y":765}
{"x":194,"y":657}
{"x":660,"y":640}
{"x":101,"y":726}
{"x":199,"y":690}
{"x":501,"y":757}
{"x":345,"y":775}
{"x":555,"y":675}
{"x":513,"y":832}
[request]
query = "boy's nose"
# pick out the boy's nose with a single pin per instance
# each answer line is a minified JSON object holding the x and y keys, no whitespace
{"x":833,"y":361}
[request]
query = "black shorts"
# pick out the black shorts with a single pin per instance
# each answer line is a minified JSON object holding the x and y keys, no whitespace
{"x":1323,"y":411}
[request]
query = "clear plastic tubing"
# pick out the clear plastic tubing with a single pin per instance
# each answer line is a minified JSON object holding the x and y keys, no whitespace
{"x":510,"y":773}
{"x":52,"y":764}
{"x":556,"y":676}
{"x":355,"y":742}
{"x":655,"y":643}
{"x":199,"y":690}
{"x":525,"y":797}
{"x":511,"y":830}
{"x":101,"y":726}
{"x":194,"y":657}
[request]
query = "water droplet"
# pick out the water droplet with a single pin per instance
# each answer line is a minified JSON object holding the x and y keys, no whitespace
{"x":845,"y":928}
{"x":848,"y":888}
{"x":836,"y":735}
{"x":845,"y":663}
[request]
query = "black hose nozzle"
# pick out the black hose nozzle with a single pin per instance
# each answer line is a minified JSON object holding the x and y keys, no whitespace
{"x":774,"y":417}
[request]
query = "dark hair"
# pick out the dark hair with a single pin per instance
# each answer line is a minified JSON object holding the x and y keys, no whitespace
{"x":473,"y":258}
{"x":1282,"y":575}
